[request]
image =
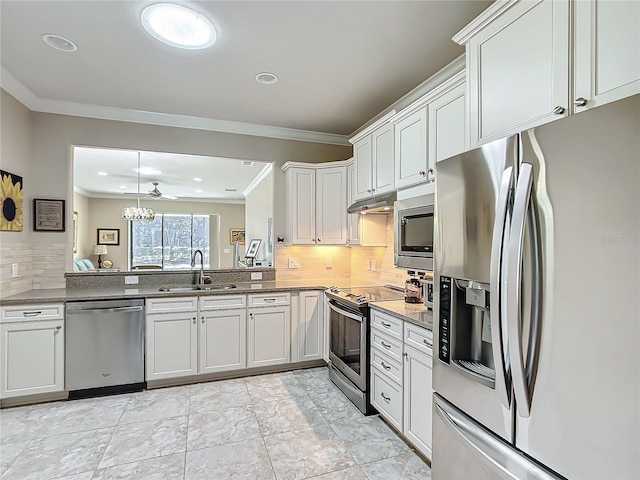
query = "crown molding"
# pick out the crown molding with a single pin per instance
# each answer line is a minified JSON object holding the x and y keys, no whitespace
{"x":489,"y":15}
{"x":256,"y":181}
{"x":17,"y":89}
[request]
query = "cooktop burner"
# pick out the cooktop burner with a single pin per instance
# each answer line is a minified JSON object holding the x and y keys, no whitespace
{"x":361,"y":296}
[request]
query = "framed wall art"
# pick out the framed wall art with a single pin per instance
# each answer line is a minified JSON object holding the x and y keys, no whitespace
{"x":11,"y":199}
{"x":236,"y":235}
{"x":252,"y":251}
{"x":48,"y":215}
{"x":108,"y":236}
{"x":75,"y":232}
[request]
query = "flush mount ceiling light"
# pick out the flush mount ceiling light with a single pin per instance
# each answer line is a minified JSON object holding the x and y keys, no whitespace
{"x":103,"y":174}
{"x":267,"y":78}
{"x":59,"y":43}
{"x":178,"y":26}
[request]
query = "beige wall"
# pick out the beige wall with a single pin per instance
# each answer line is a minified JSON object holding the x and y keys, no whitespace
{"x":38,"y":145}
{"x":106,"y":213}
{"x":259,"y":208}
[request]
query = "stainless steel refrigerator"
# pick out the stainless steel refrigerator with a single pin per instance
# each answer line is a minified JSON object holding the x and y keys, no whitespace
{"x":537,"y":324}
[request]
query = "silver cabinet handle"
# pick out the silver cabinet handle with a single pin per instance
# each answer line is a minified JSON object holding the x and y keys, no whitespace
{"x":31,"y":314}
{"x":385,"y":366}
{"x":319,"y":240}
{"x":385,"y":345}
{"x":580,"y":102}
{"x":422,"y":173}
{"x":385,"y":325}
{"x":559,"y":110}
{"x":194,"y":320}
{"x":269,"y":300}
{"x":368,"y":190}
{"x":386,"y":399}
{"x":405,"y":355}
{"x":202,"y":318}
{"x":251,"y":315}
{"x":427,"y":342}
{"x":58,"y":328}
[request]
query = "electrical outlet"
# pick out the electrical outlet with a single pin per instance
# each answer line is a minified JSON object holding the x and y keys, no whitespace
{"x":131,"y":279}
{"x":368,"y":265}
{"x":256,"y":275}
{"x":328,"y":262}
{"x":293,"y":263}
{"x":373,"y":265}
{"x":226,"y":250}
{"x":14,"y":270}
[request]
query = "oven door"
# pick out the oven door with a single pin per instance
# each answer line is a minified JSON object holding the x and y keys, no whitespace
{"x":348,"y":348}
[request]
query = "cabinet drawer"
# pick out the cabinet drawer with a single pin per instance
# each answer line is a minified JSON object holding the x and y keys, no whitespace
{"x":171,"y":304}
{"x":391,"y":346}
{"x":32,"y":312}
{"x":387,"y":323}
{"x":219,"y":302}
{"x":419,"y":338}
{"x":269,"y":300}
{"x":386,"y":365}
{"x":386,"y":396}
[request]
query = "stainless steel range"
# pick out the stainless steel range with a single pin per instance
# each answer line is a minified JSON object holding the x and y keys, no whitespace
{"x":349,"y":338}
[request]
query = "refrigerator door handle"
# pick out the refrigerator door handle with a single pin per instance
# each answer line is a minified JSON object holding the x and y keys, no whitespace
{"x":498,"y":256}
{"x":499,"y":456}
{"x":514,"y":294}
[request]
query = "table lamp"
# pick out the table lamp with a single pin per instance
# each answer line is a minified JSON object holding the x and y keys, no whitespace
{"x":100,"y":250}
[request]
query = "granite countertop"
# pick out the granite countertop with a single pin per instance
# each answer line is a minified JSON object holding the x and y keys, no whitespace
{"x":416,"y":313}
{"x":56,"y":295}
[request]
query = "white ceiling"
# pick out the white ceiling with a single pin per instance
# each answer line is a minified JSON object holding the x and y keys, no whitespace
{"x":174,"y":173}
{"x":340,"y":63}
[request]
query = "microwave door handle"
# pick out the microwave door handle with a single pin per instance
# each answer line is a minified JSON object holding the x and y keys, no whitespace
{"x":514,"y":290}
{"x":345,"y":313}
{"x":497,"y":313}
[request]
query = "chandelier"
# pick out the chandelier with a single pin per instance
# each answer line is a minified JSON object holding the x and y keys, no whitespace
{"x":138,"y":212}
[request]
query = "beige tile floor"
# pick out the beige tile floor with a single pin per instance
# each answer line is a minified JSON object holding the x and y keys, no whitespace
{"x":291,"y":426}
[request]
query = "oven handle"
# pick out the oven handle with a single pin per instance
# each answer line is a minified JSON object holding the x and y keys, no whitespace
{"x":345,"y":313}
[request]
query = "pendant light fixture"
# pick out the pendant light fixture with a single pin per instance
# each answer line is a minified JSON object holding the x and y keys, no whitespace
{"x":138,"y":212}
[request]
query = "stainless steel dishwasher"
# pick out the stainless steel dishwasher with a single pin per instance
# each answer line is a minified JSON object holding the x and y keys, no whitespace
{"x":104,"y":347}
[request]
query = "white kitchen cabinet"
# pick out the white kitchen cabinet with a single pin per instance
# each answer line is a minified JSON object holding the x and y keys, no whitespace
{"x":386,"y":397}
{"x":448,"y":132}
{"x":268,"y":333}
{"x":418,"y":399}
{"x":411,"y":160}
{"x":223,"y":340}
{"x":316,"y":203}
{"x":373,"y":159}
{"x":32,"y":350}
{"x":308,"y":326}
{"x":606,"y":52}
{"x":171,"y":344}
{"x":364,"y":230}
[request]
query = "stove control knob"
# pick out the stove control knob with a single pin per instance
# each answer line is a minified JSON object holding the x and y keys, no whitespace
{"x":333,"y":289}
{"x":361,"y":299}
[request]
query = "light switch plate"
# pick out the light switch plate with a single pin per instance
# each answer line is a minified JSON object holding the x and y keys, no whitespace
{"x":14,"y":270}
{"x":328,"y":262}
{"x":293,"y":263}
{"x":256,"y":275}
{"x":131,"y":279}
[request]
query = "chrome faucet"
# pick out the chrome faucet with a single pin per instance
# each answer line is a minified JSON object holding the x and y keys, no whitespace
{"x":202,"y":279}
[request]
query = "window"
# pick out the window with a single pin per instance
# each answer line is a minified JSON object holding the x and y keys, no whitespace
{"x":169,"y":241}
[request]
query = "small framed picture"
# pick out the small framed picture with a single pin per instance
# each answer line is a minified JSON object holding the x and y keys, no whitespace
{"x":75,"y":232}
{"x":108,"y":236}
{"x":236,"y":235}
{"x":252,"y":251}
{"x":48,"y":215}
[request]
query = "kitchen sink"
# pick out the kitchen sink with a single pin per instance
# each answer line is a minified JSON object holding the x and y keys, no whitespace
{"x":192,"y":288}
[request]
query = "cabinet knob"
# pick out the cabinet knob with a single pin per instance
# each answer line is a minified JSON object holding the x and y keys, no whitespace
{"x":580,"y":102}
{"x":422,"y":173}
{"x":202,"y":318}
{"x":559,"y":110}
{"x":194,"y":320}
{"x":368,"y":190}
{"x":319,"y":240}
{"x":58,"y":328}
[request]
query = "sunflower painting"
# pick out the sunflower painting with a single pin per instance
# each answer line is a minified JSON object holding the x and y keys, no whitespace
{"x":12,"y":218}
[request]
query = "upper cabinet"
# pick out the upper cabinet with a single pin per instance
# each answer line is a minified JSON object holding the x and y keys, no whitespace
{"x":373,"y":159}
{"x":448,"y":126}
{"x":518,"y":61}
{"x":411,"y":162}
{"x":316,"y":203}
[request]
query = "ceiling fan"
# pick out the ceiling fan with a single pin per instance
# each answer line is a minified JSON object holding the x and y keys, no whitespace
{"x":155,"y":193}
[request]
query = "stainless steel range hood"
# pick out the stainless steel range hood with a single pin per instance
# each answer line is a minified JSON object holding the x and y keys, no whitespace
{"x":378,"y":204}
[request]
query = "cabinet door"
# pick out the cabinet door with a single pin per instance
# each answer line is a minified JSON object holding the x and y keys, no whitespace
{"x":331,"y":206}
{"x":32,"y":358}
{"x":310,"y":326}
{"x":606,"y":52}
{"x":302,"y":206}
{"x":411,"y":149}
{"x":172,"y":345}
{"x":363,"y":161}
{"x":447,"y":125}
{"x":383,"y":160}
{"x":269,"y":337}
{"x":418,"y":399}
{"x":518,"y":70}
{"x":223,"y":340}
{"x":353,"y":219}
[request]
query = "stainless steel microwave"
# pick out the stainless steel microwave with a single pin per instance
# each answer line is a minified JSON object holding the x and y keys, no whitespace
{"x":413,"y":221}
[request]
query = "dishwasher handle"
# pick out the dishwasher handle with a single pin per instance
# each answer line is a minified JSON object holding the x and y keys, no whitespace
{"x":107,"y":310}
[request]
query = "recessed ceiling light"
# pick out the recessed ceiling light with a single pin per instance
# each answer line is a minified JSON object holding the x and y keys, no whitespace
{"x":197,"y":179}
{"x":178,"y":26}
{"x":147,"y":171}
{"x":198,"y":191}
{"x":247,"y":163}
{"x":59,"y":43}
{"x":122,"y":187}
{"x":230,"y":189}
{"x":267,"y":78}
{"x":103,"y":174}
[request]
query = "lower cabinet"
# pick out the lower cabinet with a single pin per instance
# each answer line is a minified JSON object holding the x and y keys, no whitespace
{"x":418,"y":399}
{"x":171,"y":345}
{"x":269,"y":336}
{"x":32,"y":357}
{"x":223,"y":340}
{"x":307,"y":325}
